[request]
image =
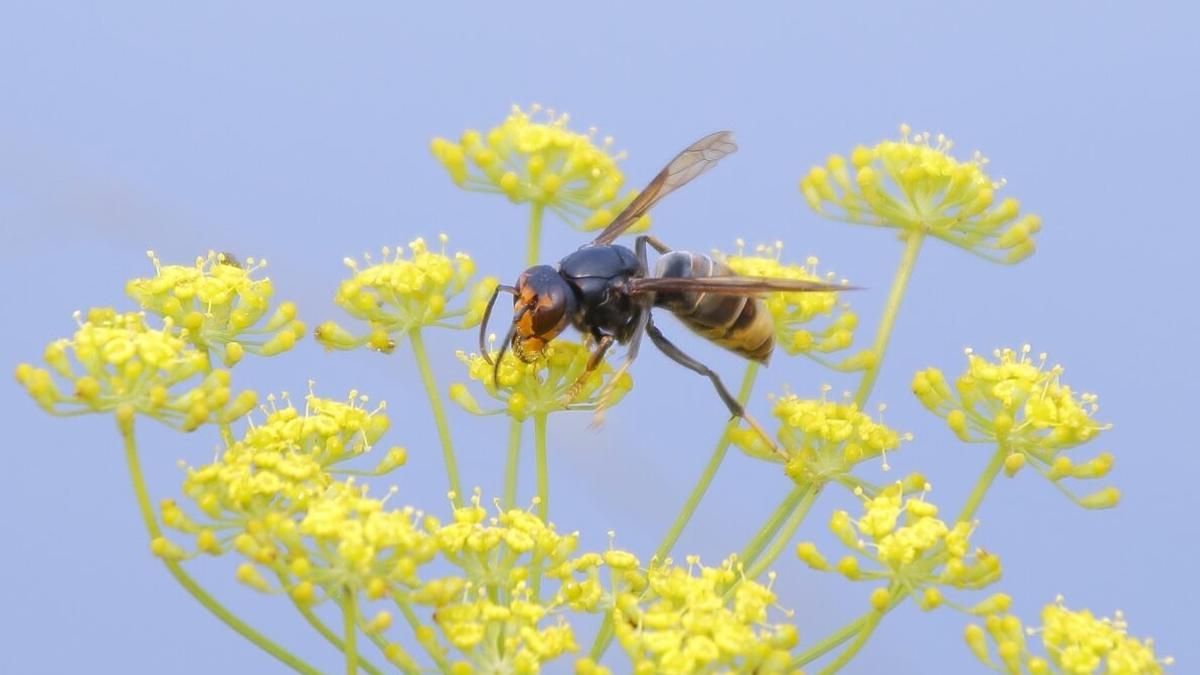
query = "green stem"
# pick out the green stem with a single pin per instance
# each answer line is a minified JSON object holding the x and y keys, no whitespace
{"x":319,"y":626}
{"x":350,"y":628}
{"x":838,"y":637}
{"x":415,"y":624}
{"x":439,"y":415}
{"x":185,"y":580}
{"x":510,"y":468}
{"x":543,"y":496}
{"x":808,"y":495}
{"x":981,"y":486}
{"x":543,"y":472}
{"x":603,"y":638}
{"x":767,"y":532}
{"x":710,"y":470}
{"x":911,"y":248}
{"x":864,"y":634}
{"x":535,"y":233}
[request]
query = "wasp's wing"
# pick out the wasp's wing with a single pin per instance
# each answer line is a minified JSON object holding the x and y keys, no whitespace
{"x":731,"y":285}
{"x":695,"y":160}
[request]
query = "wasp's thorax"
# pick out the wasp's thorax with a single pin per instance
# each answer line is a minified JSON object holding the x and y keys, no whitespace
{"x":543,"y":306}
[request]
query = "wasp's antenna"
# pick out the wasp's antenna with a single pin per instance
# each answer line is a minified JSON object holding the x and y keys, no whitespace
{"x":487,"y":315}
{"x":504,"y":345}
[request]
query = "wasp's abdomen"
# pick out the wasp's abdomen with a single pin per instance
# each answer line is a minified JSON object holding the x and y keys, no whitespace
{"x":738,"y":323}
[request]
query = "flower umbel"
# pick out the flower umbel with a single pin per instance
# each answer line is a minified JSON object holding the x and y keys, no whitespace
{"x":543,"y":162}
{"x":805,"y":323}
{"x":542,"y":386}
{"x":1075,"y":642}
{"x":682,"y":620}
{"x":908,"y":546}
{"x":116,"y":362}
{"x":823,"y":439}
{"x":1022,"y":406}
{"x":220,"y":304}
{"x":401,"y":294}
{"x":912,"y":185}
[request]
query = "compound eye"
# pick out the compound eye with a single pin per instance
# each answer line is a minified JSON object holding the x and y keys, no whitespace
{"x":547,"y":315}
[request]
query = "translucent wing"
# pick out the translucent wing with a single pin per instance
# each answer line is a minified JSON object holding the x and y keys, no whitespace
{"x":732,"y":285}
{"x":693,"y":161}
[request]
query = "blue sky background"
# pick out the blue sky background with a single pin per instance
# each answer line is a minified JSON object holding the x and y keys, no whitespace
{"x":300,"y":133}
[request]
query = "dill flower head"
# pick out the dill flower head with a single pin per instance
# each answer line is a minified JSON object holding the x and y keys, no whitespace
{"x":543,"y":386}
{"x":329,"y":430}
{"x":682,"y":620}
{"x":402,"y":293}
{"x":823,"y":439}
{"x":220,"y":305}
{"x":904,"y":542}
{"x":1075,"y":642}
{"x":533,"y":157}
{"x":912,"y":185}
{"x":805,"y":323}
{"x":1021,"y":405}
{"x":116,"y":362}
{"x":497,"y":559}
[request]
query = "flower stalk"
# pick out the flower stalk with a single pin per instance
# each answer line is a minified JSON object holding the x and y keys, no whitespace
{"x":710,"y":470}
{"x":439,"y":414}
{"x":194,"y":589}
{"x":883,"y":335}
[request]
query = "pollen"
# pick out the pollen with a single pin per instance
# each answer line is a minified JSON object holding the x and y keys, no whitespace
{"x":533,"y":156}
{"x":916,"y":184}
{"x":224,"y":306}
{"x":400,"y":293}
{"x":1021,"y":402}
{"x":555,"y":381}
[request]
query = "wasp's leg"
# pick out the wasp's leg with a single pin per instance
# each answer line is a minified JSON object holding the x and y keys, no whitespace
{"x":639,"y":248}
{"x":593,"y":361}
{"x":736,"y":409}
{"x":635,"y":341}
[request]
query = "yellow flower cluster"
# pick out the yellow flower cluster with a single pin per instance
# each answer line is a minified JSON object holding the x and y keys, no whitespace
{"x":494,"y":616}
{"x":541,"y":162}
{"x":116,"y":362}
{"x":910,"y":547}
{"x":272,"y":488}
{"x":1022,"y":406}
{"x":400,"y":294}
{"x":679,"y":620}
{"x":823,"y":440}
{"x":543,"y":386}
{"x":913,"y":185}
{"x":220,"y":306}
{"x":795,"y":313}
{"x":328,"y":430}
{"x":1076,"y":643}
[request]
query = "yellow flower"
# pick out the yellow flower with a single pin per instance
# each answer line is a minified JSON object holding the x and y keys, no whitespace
{"x":1022,"y":406}
{"x":355,"y":540}
{"x":684,"y":621}
{"x":805,"y":323}
{"x":401,"y":294}
{"x":220,"y":306}
{"x":1076,"y":643}
{"x":328,"y":430}
{"x":912,"y":185}
{"x":540,"y":161}
{"x":542,"y":386}
{"x":902,"y":541}
{"x":116,"y":362}
{"x":499,"y":557}
{"x":823,"y":440}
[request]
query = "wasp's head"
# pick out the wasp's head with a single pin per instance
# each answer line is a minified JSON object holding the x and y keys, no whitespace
{"x":542,"y":307}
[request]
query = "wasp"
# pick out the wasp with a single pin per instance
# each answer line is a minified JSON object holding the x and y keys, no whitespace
{"x":607,"y":293}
